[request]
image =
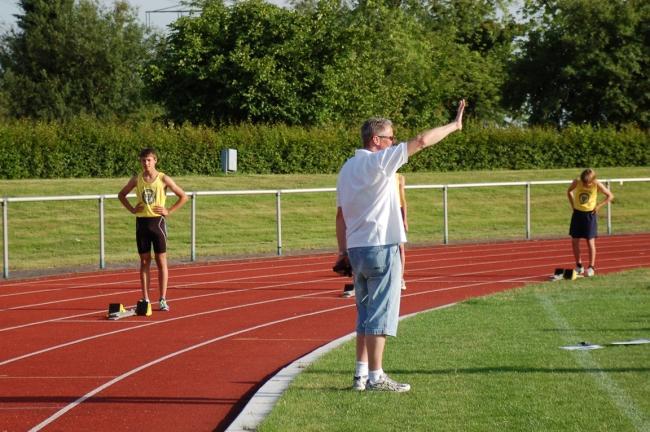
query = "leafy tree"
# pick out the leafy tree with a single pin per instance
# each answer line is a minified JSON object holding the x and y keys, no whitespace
{"x":584,"y":61}
{"x":67,"y":58}
{"x":322,"y":62}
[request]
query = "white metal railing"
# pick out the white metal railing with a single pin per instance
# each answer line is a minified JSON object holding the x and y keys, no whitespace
{"x":278,"y":208}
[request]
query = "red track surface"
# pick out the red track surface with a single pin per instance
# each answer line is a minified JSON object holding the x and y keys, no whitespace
{"x":64,"y":367}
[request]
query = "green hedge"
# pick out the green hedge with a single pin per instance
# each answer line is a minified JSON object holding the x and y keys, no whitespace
{"x":85,"y":147}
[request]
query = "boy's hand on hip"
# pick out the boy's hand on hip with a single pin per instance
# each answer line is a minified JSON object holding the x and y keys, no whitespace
{"x":160,"y":210}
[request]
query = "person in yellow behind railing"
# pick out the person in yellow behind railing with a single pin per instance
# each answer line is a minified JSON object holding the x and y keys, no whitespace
{"x":151,"y":228}
{"x":583,"y":197}
{"x":401,"y":185}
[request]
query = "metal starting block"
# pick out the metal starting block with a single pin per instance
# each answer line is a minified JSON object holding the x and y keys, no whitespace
{"x":567,"y":274}
{"x":117,"y":311}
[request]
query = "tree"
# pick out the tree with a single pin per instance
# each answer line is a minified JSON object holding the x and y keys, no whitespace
{"x":67,"y":58}
{"x":584,"y":61}
{"x":324,"y":61}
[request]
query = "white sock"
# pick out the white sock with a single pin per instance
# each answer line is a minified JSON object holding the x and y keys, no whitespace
{"x":361,"y":369}
{"x":375,"y":375}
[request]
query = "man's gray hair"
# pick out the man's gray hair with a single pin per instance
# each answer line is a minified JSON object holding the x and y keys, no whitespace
{"x":373,"y":126}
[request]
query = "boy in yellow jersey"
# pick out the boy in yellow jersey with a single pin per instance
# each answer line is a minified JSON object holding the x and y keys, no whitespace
{"x":401,"y":184}
{"x":583,"y":197}
{"x":151,"y":187}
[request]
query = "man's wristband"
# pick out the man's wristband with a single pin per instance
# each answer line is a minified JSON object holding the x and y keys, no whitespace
{"x":343,"y":254}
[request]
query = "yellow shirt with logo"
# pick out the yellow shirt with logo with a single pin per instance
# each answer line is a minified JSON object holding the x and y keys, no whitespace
{"x":584,"y":197}
{"x":150,"y":194}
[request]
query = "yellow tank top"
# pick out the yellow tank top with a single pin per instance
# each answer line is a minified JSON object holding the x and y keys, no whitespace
{"x":150,"y":195}
{"x":401,"y":196}
{"x":584,"y":198}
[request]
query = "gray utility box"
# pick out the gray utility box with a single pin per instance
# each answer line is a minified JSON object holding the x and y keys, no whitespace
{"x":228,"y":160}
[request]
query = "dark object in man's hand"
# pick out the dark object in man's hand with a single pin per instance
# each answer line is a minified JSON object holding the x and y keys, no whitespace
{"x":343,"y":267}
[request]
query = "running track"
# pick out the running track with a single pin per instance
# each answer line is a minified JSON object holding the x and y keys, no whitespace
{"x":63,"y":366}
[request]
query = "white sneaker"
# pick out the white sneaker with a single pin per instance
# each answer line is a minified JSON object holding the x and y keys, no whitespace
{"x":359,"y":383}
{"x":387,"y":384}
{"x":580,"y":270}
{"x":403,"y":285}
{"x":591,"y":271}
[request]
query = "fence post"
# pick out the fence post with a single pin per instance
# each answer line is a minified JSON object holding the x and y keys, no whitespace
{"x":5,"y":238}
{"x":193,"y":227}
{"x":528,"y":211}
{"x":278,"y":220}
{"x":102,"y":261}
{"x":609,"y":210}
{"x":445,"y":216}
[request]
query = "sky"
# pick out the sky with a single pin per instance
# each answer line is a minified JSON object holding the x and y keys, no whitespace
{"x":8,"y":8}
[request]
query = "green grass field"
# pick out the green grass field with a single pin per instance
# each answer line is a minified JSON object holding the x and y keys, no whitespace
{"x":57,"y":235}
{"x":494,"y":364}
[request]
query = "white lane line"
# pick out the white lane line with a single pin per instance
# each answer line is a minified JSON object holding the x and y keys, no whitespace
{"x":249,"y":278}
{"x":446,"y":250}
{"x":58,"y":377}
{"x":119,"y":378}
{"x":427,"y":279}
{"x":622,"y":400}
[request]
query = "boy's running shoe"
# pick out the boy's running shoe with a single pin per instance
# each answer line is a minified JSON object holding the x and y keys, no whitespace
{"x":359,"y":383}
{"x":591,"y":271}
{"x":163,"y":305}
{"x":580,"y":270}
{"x":387,"y":384}
{"x":403,"y":285}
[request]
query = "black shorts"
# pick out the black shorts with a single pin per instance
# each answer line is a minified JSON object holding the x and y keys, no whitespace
{"x":151,"y":231}
{"x":584,"y":225}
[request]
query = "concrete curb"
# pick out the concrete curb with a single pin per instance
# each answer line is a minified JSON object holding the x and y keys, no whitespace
{"x":267,"y":396}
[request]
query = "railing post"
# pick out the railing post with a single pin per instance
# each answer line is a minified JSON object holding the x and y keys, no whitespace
{"x":278,"y":220}
{"x":445,"y":215}
{"x":102,"y":236}
{"x":193,"y":227}
{"x":609,"y":210}
{"x":528,"y":211}
{"x":5,"y":238}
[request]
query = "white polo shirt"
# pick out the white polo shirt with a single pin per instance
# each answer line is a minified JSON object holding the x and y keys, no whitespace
{"x":366,"y":193}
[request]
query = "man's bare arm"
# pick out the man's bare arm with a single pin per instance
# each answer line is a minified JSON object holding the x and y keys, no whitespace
{"x":433,"y":136}
{"x":340,"y":231}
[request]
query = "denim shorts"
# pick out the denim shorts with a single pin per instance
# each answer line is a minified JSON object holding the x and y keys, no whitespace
{"x":377,"y":284}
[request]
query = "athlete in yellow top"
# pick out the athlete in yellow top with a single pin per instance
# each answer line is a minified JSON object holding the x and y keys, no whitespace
{"x":151,"y":229}
{"x":583,"y":197}
{"x":401,"y":184}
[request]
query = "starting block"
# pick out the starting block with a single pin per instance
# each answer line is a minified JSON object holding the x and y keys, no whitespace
{"x":566,"y":274}
{"x":143,"y":308}
{"x":117,"y":311}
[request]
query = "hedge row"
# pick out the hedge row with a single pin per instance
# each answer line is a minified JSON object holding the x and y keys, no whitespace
{"x":87,"y":148}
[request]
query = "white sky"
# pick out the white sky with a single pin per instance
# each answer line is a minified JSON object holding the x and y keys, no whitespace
{"x":8,"y":8}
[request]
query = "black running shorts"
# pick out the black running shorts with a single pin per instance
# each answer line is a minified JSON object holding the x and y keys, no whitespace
{"x":151,"y":231}
{"x":584,"y":225}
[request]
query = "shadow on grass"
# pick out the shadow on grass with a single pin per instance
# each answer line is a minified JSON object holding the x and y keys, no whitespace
{"x":492,"y":370}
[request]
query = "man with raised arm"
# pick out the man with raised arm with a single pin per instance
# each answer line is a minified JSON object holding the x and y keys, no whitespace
{"x":369,"y":230}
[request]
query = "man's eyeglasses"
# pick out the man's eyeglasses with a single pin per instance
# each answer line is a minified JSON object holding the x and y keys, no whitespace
{"x":391,"y":138}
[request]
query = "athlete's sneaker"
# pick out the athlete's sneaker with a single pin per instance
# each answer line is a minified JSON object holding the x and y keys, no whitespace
{"x":387,"y":384}
{"x":580,"y":270}
{"x":403,"y":285}
{"x":359,"y":383}
{"x":591,"y":271}
{"x":163,"y":305}
{"x":348,"y":293}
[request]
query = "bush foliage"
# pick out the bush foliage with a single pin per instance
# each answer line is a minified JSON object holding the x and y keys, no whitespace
{"x":85,"y":147}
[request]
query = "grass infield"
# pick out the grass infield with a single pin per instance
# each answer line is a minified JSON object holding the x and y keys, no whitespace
{"x":494,"y":363}
{"x":53,"y":235}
